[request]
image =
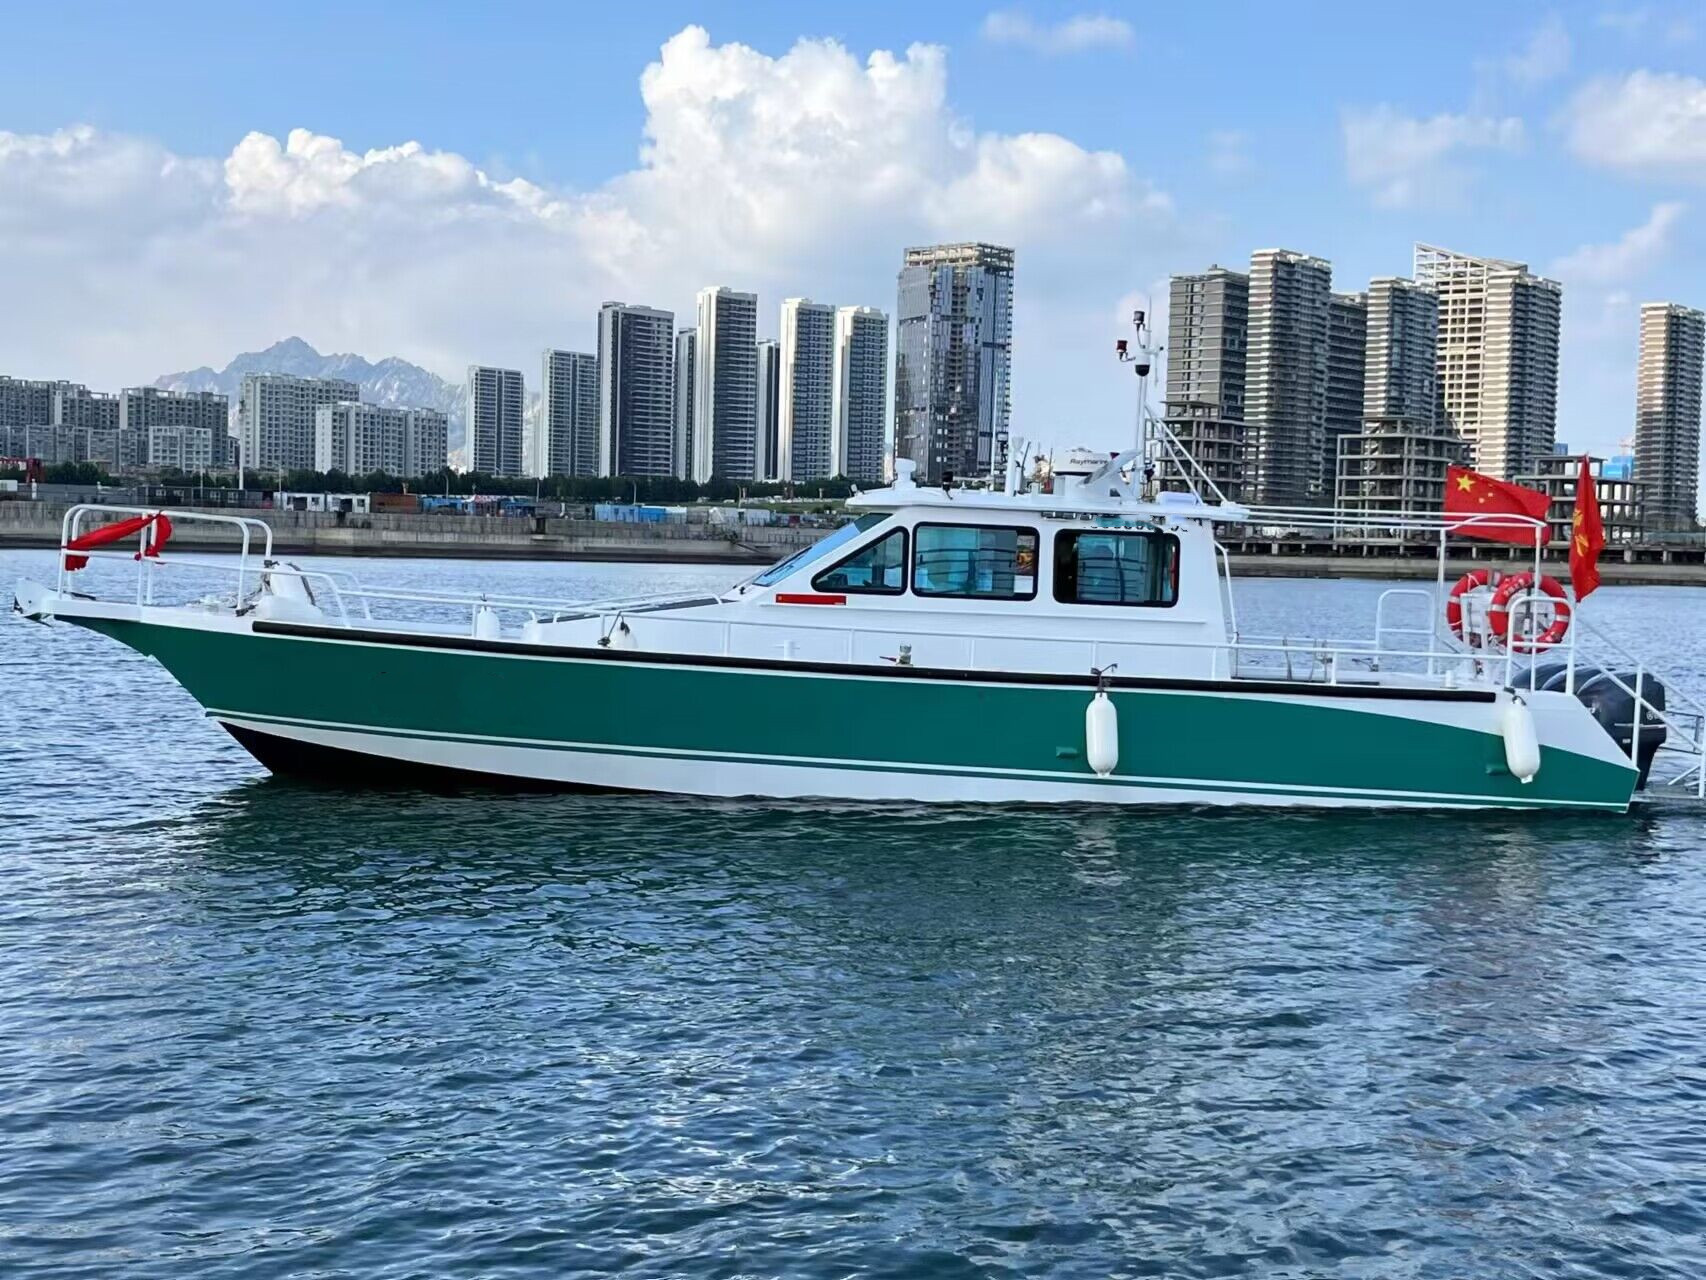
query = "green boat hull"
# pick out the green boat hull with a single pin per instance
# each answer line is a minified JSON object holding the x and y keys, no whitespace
{"x":380,"y":708}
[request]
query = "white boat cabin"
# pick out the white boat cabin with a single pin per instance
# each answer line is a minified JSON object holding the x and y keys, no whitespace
{"x":964,"y":579}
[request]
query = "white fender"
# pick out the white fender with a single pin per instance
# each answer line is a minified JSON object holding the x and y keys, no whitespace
{"x":1101,"y":735}
{"x":486,"y":626}
{"x":622,"y":636}
{"x":1522,"y":744}
{"x":531,"y":631}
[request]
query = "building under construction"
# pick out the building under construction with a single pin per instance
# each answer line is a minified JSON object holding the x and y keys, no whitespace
{"x":1622,"y":506}
{"x":1395,"y":467}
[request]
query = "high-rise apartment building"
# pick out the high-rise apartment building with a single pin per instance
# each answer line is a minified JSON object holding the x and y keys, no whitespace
{"x":359,"y":439}
{"x":859,"y":443}
{"x":1667,"y":413}
{"x":1286,"y":377}
{"x":186,"y":448}
{"x":1400,"y":377}
{"x":686,"y":366}
{"x":1208,"y":325}
{"x":275,"y":418}
{"x":26,"y":402}
{"x":769,"y":410}
{"x":190,"y":430}
{"x":77,"y":406}
{"x":563,"y":437}
{"x":497,"y":408}
{"x":636,"y":392}
{"x":426,"y":442}
{"x":1497,"y":363}
{"x":85,"y":425}
{"x":95,"y":415}
{"x":725,"y":393}
{"x":806,"y":399}
{"x":1395,"y":463}
{"x":953,"y":361}
{"x":1347,"y":352}
{"x":49,"y":444}
{"x":1208,"y":330}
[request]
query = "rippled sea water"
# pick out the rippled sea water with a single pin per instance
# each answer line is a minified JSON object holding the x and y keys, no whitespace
{"x":258,"y":1029}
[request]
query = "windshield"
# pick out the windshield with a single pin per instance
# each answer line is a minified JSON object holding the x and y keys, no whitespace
{"x":822,"y":547}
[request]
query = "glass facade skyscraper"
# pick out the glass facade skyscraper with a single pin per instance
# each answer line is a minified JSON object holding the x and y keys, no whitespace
{"x":954,"y":354}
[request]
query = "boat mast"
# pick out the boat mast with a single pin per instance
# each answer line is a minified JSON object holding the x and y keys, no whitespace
{"x":1156,"y":445}
{"x":1141,"y":356}
{"x":1143,"y":360}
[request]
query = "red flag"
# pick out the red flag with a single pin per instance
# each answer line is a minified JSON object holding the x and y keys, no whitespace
{"x":119,"y":529}
{"x":1587,"y":535}
{"x":1480,"y":499}
{"x":161,"y":536}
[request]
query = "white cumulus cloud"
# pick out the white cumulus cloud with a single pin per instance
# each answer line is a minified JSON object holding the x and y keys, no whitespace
{"x":1624,"y":260}
{"x":1405,"y":161}
{"x":1071,"y":35}
{"x":804,"y":172}
{"x":1648,"y":123}
{"x":311,"y":171}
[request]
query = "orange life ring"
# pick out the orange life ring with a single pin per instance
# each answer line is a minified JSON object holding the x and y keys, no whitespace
{"x":1454,"y":600}
{"x":1499,"y":618}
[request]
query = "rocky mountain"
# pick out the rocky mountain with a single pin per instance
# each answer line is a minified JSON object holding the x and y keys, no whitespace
{"x":390,"y":381}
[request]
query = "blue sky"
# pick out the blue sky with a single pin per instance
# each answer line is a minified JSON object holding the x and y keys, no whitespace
{"x":1112,"y":144}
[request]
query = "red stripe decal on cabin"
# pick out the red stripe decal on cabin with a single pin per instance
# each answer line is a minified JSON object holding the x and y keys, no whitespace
{"x":807,"y":597}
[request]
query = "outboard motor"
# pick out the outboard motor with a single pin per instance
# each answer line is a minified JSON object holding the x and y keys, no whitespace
{"x":1611,"y":699}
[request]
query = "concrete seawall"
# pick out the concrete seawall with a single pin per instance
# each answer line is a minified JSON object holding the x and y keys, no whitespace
{"x":37,"y":524}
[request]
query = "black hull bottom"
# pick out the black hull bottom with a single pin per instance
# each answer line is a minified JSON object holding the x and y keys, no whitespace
{"x":358,"y":771}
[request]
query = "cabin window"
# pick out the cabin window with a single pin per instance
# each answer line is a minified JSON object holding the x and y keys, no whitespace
{"x":818,"y":550}
{"x":1107,"y":566}
{"x":975,"y":562}
{"x":878,"y":569}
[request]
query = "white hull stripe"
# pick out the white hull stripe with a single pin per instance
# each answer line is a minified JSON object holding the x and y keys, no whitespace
{"x":260,"y":722}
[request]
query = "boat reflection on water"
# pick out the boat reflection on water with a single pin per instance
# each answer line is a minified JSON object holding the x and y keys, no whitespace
{"x":293,"y":827}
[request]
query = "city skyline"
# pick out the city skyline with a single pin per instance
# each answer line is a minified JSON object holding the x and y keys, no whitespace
{"x":1558,"y":138}
{"x":1373,"y":351}
{"x":643,"y":420}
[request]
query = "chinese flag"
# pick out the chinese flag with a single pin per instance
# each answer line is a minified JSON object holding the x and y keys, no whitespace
{"x":1587,"y":535}
{"x":1471,"y":494}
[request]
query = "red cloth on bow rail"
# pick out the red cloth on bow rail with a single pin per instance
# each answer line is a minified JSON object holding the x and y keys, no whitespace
{"x":119,"y":529}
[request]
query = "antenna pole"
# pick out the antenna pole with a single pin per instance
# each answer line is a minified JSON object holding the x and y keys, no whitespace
{"x":1140,"y":323}
{"x":1141,"y":357}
